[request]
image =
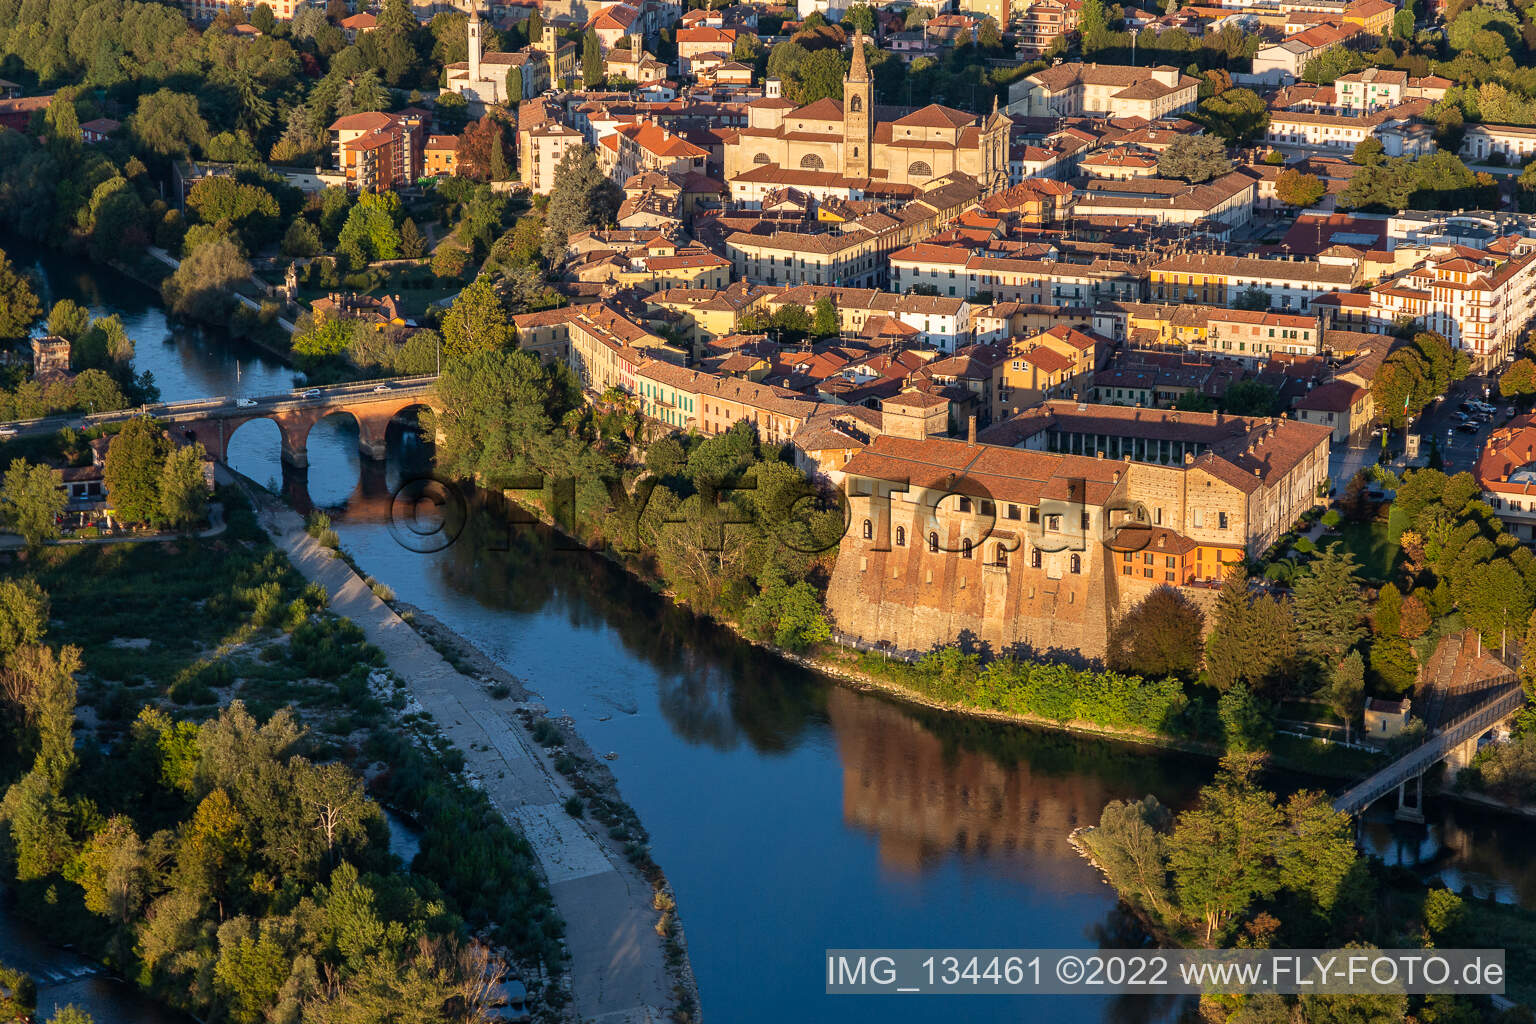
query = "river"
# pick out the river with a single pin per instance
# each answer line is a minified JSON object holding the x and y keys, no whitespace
{"x":791,"y":815}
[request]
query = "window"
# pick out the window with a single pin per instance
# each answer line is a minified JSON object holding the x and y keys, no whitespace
{"x":760,"y":159}
{"x":965,"y":504}
{"x":933,"y":542}
{"x":901,"y":536}
{"x":965,"y":548}
{"x":1034,"y":559}
{"x":1013,"y":511}
{"x":869,"y":529}
{"x":1053,"y":523}
{"x":1171,"y":562}
{"x":986,"y":508}
{"x":855,"y":105}
{"x":811,"y":162}
{"x":1221,"y":520}
{"x":1077,"y":564}
{"x":919,"y":169}
{"x":1087,"y":520}
{"x":1002,"y":555}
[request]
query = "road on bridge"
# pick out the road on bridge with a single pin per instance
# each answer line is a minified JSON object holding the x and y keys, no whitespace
{"x":351,"y":393}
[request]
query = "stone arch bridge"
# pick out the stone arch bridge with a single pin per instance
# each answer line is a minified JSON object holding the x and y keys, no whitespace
{"x":373,"y":404}
{"x":213,"y":421}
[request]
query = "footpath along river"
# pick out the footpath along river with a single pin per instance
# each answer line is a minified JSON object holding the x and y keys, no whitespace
{"x":791,"y":815}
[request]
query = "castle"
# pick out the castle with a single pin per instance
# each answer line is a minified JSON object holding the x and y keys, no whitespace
{"x":1045,"y":539}
{"x":831,"y":147}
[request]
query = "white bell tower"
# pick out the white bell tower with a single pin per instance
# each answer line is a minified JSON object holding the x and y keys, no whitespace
{"x":474,"y":48}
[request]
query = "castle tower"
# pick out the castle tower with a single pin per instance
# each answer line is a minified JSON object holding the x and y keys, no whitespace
{"x":474,"y":49}
{"x":858,"y":113}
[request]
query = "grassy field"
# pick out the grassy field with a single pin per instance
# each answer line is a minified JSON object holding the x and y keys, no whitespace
{"x":1374,"y":543}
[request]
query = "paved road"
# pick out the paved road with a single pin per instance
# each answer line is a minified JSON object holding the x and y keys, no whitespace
{"x":199,"y":408}
{"x":618,"y":967}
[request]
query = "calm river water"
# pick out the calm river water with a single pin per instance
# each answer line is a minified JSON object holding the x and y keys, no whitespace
{"x":791,"y":815}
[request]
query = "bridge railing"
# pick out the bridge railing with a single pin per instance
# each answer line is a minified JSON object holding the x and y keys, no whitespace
{"x":1423,"y":757}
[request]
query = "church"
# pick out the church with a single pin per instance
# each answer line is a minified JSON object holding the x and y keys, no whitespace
{"x":853,"y":148}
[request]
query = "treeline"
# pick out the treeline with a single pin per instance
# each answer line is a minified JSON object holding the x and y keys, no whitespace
{"x":1056,"y":692}
{"x":728,"y":524}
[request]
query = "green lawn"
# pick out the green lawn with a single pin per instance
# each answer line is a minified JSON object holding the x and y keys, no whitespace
{"x":1374,"y":544}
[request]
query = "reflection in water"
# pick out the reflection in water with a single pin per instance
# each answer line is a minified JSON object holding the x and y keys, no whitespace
{"x":1468,"y":850}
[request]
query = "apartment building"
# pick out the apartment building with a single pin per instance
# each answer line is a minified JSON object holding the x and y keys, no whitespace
{"x":1506,"y":473}
{"x":378,"y":152}
{"x":712,"y":404}
{"x":1039,"y":23}
{"x":1365,"y":92}
{"x":962,"y":272}
{"x":632,"y":149}
{"x":1215,"y":207}
{"x":602,"y":345}
{"x":1284,"y":62}
{"x":1217,"y":280}
{"x":540,"y":148}
{"x":1481,"y":300}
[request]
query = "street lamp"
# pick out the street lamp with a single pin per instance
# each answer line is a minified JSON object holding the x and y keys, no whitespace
{"x":1134,"y":33}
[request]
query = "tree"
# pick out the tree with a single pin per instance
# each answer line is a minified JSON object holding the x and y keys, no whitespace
{"x":369,"y":233}
{"x":1368,"y":152}
{"x":19,"y":308}
{"x":202,"y":286}
{"x":860,"y":17}
{"x":1244,"y":720}
{"x":1093,"y":24}
{"x":1158,"y":637}
{"x":262,"y":19}
{"x":1222,"y":852}
{"x":412,"y":245}
{"x":1387,"y":617}
{"x":1237,"y":115}
{"x":591,"y":61}
{"x":23,"y":614}
{"x":583,"y":197}
{"x":824,"y":320}
{"x":132,"y":472}
{"x":1329,"y":609}
{"x":1296,"y":189}
{"x":301,"y":239}
{"x":1344,"y":690}
{"x":70,"y":1014}
{"x":167,"y":124}
{"x":514,"y":84}
{"x":1519,"y":379}
{"x":184,"y":490}
{"x":68,"y":319}
{"x":31,"y":502}
{"x":476,"y":322}
{"x":62,"y":120}
{"x":483,"y":149}
{"x":1250,"y":397}
{"x":1194,"y":158}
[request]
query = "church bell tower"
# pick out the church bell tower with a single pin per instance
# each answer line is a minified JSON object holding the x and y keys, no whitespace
{"x":858,"y":113}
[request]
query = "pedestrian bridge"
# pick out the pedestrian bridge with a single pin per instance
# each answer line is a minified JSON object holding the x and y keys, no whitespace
{"x":213,"y":421}
{"x":1455,"y":741}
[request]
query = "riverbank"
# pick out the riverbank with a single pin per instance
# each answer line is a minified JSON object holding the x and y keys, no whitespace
{"x":628,"y":955}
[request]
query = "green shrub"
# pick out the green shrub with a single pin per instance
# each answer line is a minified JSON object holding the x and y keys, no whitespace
{"x":574,"y":807}
{"x":1304,"y":546}
{"x":1331,"y":518}
{"x":546,"y":734}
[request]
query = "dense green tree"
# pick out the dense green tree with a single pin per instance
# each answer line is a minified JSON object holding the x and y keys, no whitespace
{"x":132,"y":471}
{"x":369,"y":233}
{"x":203,"y":286}
{"x":1368,"y":152}
{"x":19,"y":308}
{"x":1093,"y":25}
{"x":1296,"y":189}
{"x":514,"y":84}
{"x":1344,"y":689}
{"x":184,"y":491}
{"x":1519,"y":379}
{"x":1194,"y":158}
{"x":31,"y":502}
{"x":1160,"y":636}
{"x":412,"y":245}
{"x":1245,"y":720}
{"x":1237,"y":115}
{"x":591,"y":61}
{"x":1250,"y":397}
{"x":301,"y":239}
{"x":168,"y":124}
{"x":69,"y":319}
{"x":824,"y":318}
{"x":1222,"y":853}
{"x":23,"y":614}
{"x":1329,"y":608}
{"x":583,"y":197}
{"x":476,"y":322}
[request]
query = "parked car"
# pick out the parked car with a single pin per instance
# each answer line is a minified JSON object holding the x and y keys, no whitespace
{"x":1468,"y":428}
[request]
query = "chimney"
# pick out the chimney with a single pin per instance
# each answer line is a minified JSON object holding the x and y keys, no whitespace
{"x":970,"y":430}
